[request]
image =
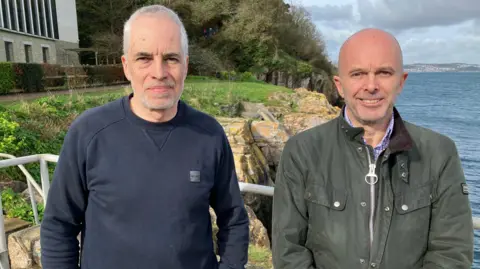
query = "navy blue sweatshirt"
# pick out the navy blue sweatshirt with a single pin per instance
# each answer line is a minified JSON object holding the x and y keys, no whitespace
{"x":139,"y":193}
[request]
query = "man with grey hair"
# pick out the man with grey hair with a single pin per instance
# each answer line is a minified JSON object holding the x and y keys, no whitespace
{"x":136,"y":176}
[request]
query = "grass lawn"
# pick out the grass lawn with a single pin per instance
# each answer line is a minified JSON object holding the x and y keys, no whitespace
{"x":261,"y":257}
{"x":207,"y":94}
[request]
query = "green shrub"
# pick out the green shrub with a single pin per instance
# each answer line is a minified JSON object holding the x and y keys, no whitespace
{"x":10,"y":141}
{"x":29,"y":77}
{"x":17,"y":207}
{"x":247,"y":76}
{"x":7,"y":78}
{"x":228,"y":75}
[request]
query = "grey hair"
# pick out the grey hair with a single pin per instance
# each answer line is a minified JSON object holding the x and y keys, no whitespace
{"x":158,"y":10}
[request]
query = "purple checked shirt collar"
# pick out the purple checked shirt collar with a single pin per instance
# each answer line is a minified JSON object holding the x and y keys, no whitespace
{"x":385,"y":141}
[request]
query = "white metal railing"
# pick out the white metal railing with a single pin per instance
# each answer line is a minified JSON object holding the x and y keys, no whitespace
{"x":43,"y":191}
{"x":43,"y":159}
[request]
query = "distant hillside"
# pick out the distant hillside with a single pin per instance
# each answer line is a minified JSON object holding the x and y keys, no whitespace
{"x":450,"y":67}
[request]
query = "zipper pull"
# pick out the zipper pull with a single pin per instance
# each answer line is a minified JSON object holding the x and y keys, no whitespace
{"x":371,"y":178}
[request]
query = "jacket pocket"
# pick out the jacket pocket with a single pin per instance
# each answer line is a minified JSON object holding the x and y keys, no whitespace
{"x":334,"y":199}
{"x":413,"y":199}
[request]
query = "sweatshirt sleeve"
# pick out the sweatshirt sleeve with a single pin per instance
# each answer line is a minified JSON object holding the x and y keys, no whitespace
{"x":232,"y":218}
{"x":66,"y":201}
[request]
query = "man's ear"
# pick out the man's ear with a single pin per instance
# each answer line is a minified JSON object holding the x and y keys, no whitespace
{"x":125,"y":67}
{"x":338,"y":84}
{"x":402,"y":82}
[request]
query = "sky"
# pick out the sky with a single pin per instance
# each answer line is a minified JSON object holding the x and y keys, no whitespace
{"x":429,"y":31}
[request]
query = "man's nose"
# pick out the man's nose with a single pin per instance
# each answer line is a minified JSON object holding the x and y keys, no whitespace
{"x":160,"y":69}
{"x":372,"y":82}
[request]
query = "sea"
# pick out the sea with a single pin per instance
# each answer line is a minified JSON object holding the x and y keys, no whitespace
{"x":449,"y":103}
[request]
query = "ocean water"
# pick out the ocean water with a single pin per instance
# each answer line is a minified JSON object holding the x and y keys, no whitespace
{"x":449,"y":103}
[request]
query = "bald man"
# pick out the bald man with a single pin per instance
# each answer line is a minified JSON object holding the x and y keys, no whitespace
{"x":368,"y":189}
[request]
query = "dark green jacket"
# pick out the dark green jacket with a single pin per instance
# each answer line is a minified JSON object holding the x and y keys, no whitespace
{"x":322,"y":202}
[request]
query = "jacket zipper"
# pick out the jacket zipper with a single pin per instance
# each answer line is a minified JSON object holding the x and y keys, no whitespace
{"x":371,"y":178}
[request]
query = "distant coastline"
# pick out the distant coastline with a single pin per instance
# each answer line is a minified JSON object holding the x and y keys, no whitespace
{"x":439,"y":68}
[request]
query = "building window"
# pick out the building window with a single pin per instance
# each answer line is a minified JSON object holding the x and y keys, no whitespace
{"x":43,"y":22}
{"x":47,"y":18}
{"x":13,"y":15}
{"x":28,"y":16}
{"x":9,"y":51}
{"x":28,"y":53}
{"x":4,"y":14}
{"x":45,"y":54}
{"x":20,"y":12}
{"x":55,"y":19}
{"x":36,"y":19}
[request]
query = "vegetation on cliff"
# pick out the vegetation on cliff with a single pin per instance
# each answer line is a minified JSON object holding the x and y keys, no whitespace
{"x":241,"y":35}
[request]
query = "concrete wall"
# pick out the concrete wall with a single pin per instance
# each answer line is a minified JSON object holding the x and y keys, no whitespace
{"x":65,"y":57}
{"x":19,"y":40}
{"x":67,"y":20}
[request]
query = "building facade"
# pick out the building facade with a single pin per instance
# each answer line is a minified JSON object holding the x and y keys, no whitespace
{"x":38,"y":31}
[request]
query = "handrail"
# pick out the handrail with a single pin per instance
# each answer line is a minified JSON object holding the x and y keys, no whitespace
{"x":25,"y":172}
{"x":30,"y":182}
{"x":43,"y":191}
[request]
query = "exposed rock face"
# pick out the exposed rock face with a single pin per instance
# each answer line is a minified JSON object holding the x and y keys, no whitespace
{"x":310,"y":109}
{"x":314,"y":103}
{"x":271,"y":138}
{"x":318,"y":82}
{"x":250,"y":163}
{"x":299,"y":122}
{"x":24,"y":248}
{"x":258,"y":233}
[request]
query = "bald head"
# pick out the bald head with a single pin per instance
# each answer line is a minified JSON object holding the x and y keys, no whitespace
{"x":376,"y":44}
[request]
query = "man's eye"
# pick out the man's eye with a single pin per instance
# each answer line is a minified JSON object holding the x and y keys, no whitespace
{"x":172,"y":60}
{"x":142,"y":59}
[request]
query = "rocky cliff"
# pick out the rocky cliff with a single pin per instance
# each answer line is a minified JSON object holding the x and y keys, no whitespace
{"x":258,"y":137}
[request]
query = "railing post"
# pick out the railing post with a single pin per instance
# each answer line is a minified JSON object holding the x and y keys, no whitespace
{"x":45,"y":179}
{"x":4,"y":262}
{"x":33,"y":202}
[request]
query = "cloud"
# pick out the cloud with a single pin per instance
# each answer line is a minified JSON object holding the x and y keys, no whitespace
{"x":476,"y":27}
{"x":331,"y":12}
{"x":409,"y":14}
{"x":438,"y":50}
{"x":429,"y":31}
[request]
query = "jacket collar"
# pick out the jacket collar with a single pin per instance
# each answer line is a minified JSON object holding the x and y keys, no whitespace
{"x":400,"y":139}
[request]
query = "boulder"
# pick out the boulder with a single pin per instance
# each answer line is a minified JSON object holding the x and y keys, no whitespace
{"x":299,"y":122}
{"x":270,"y":137}
{"x":24,"y":248}
{"x":314,"y":103}
{"x":250,"y":163}
{"x":257,"y":232}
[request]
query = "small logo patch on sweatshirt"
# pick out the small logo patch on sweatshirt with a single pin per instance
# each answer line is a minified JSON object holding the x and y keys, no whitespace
{"x":464,"y":189}
{"x":195,"y":176}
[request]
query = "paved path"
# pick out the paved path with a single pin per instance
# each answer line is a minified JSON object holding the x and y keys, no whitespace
{"x":34,"y":95}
